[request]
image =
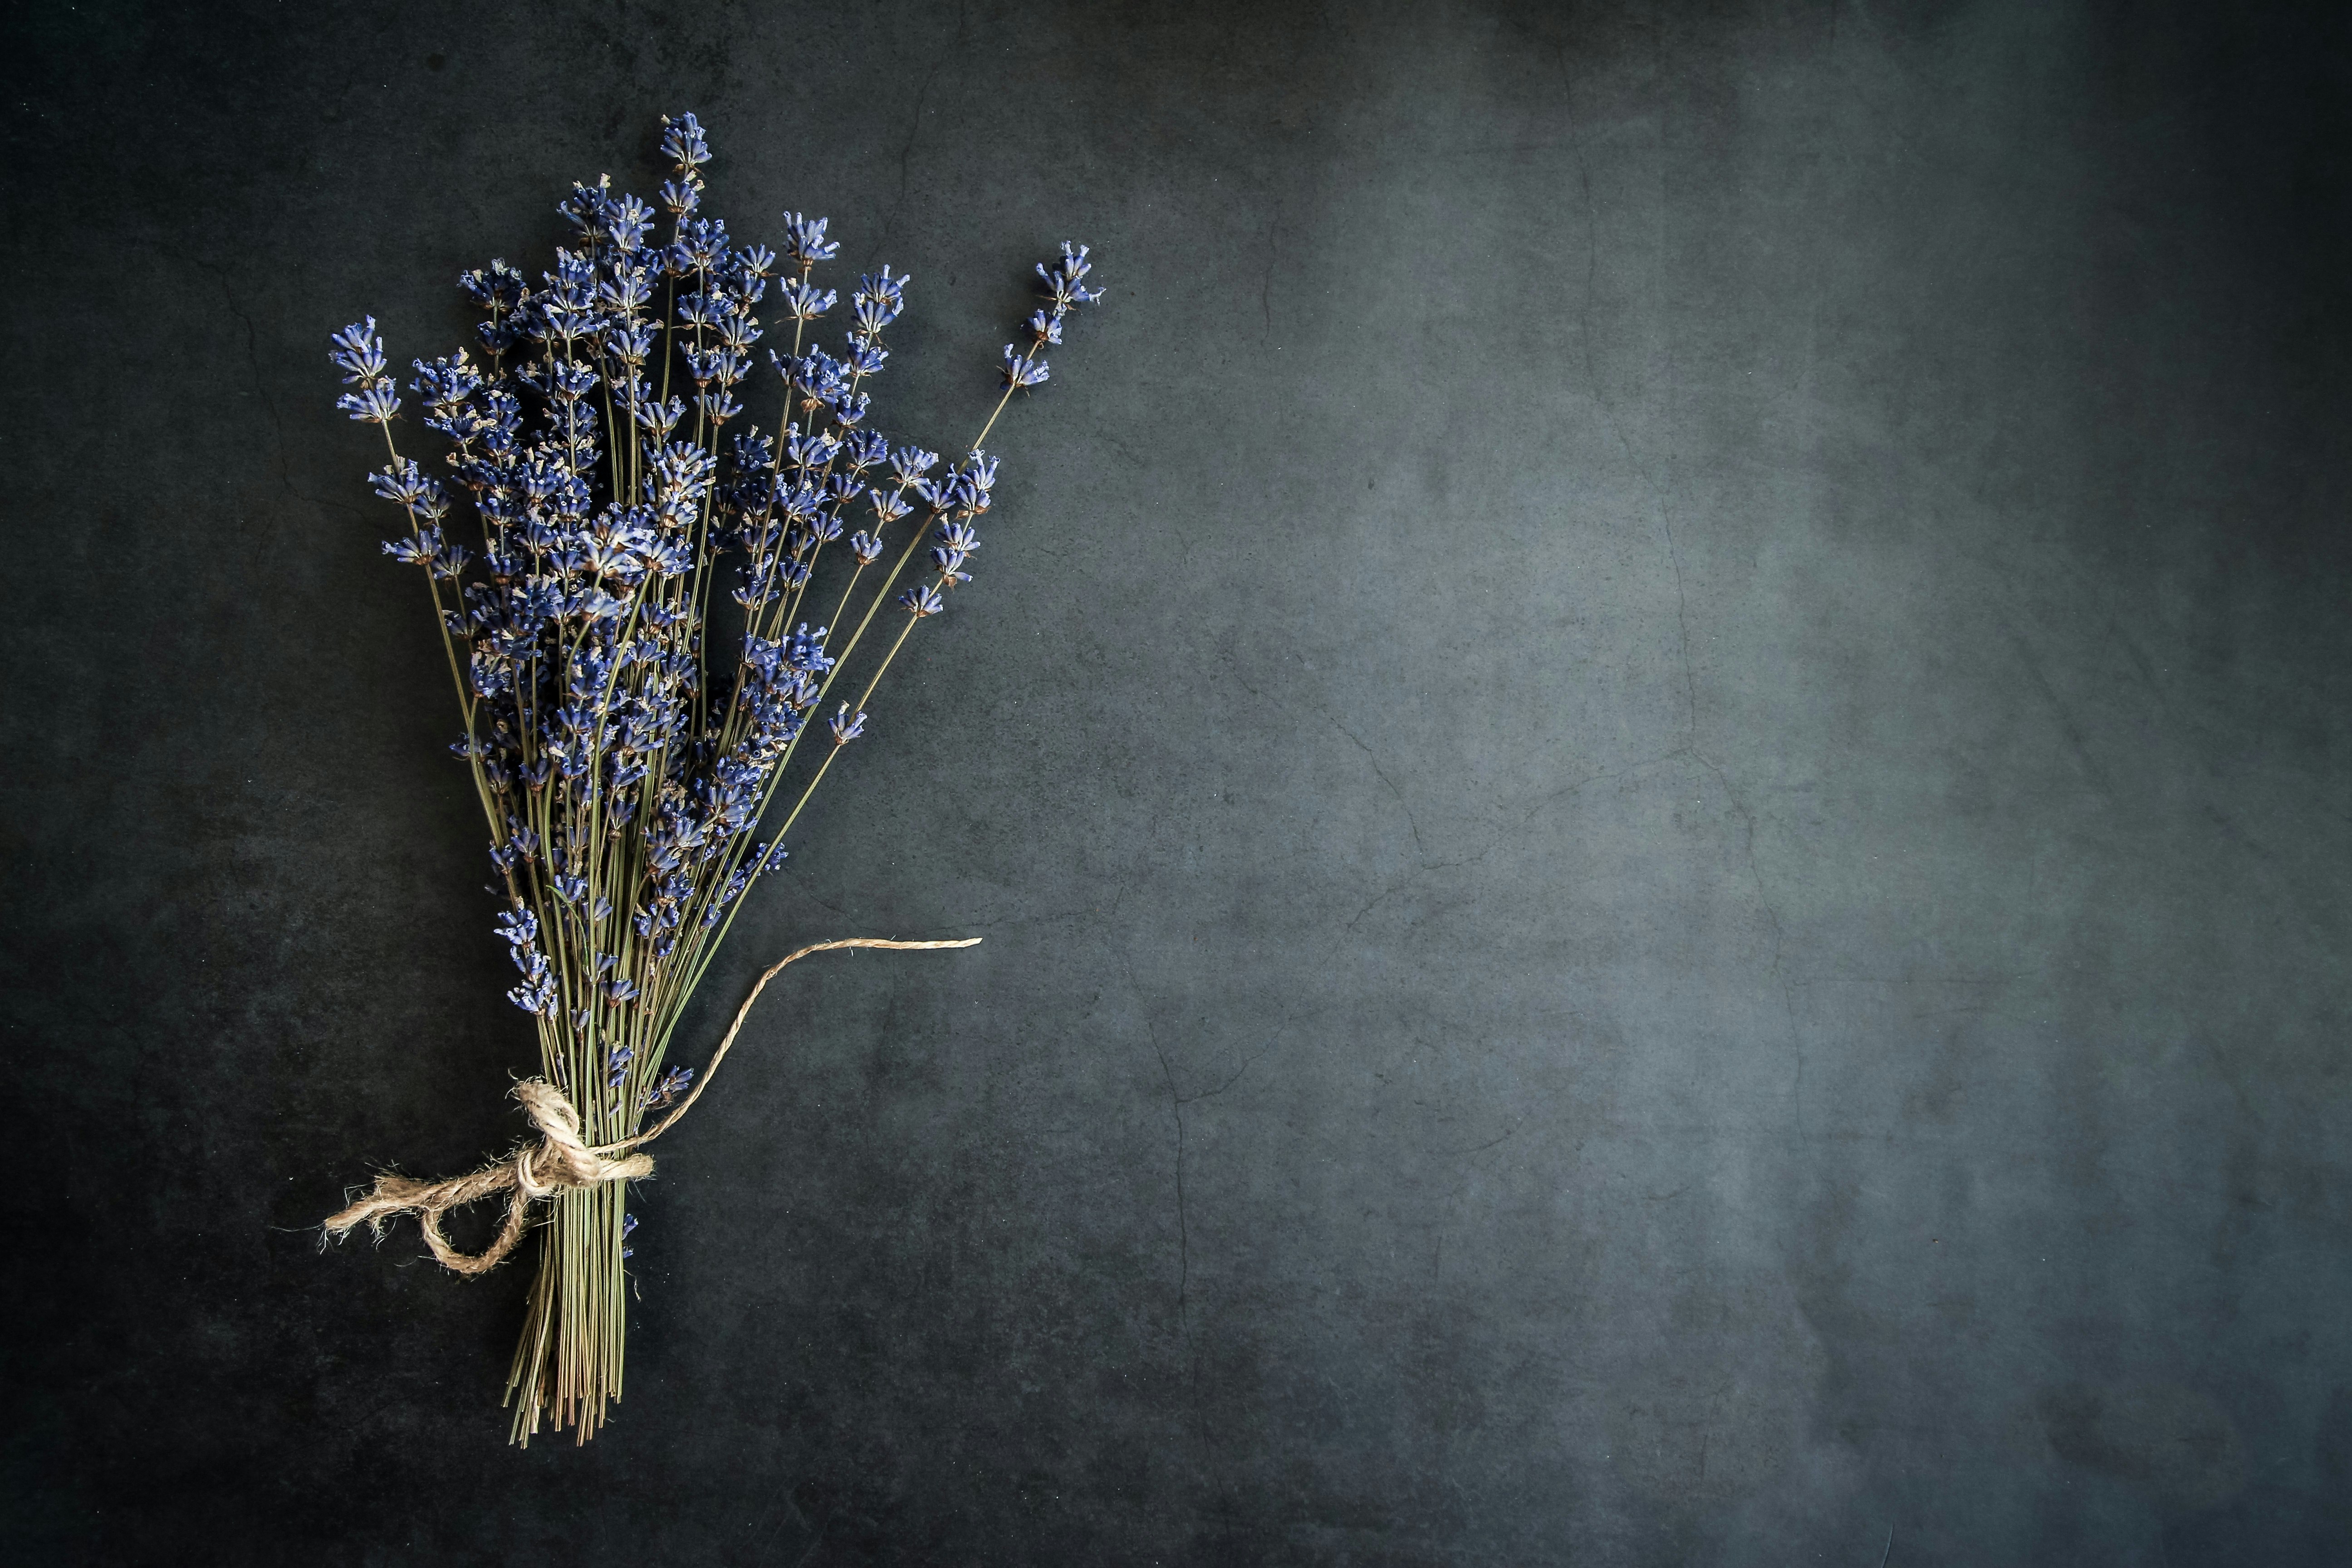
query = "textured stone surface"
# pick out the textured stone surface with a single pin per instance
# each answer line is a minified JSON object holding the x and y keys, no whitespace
{"x":1652,"y":745}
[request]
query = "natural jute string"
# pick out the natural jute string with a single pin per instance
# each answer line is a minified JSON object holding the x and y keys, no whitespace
{"x":558,"y":1160}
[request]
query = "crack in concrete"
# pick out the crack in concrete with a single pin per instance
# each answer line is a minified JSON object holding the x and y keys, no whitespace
{"x":1581,"y":785}
{"x":1183,"y":1216}
{"x":1266,"y":278}
{"x":915,"y":128}
{"x":1176,"y":1103}
{"x":1177,"y":1100}
{"x":1661,"y":501}
{"x":1510,"y":1134}
{"x":1233,"y":1079}
{"x":261,"y":387}
{"x":1658,"y":493}
{"x":1772,"y":915}
{"x":1379,"y":773}
{"x":2068,"y":730}
{"x":1382,"y":774}
{"x":1004,"y":921}
{"x":1416,"y":874}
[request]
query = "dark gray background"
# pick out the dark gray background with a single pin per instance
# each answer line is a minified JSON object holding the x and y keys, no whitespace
{"x":1653,"y":746}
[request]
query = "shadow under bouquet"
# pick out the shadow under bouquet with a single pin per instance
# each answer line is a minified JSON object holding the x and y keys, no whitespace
{"x":628,"y":726}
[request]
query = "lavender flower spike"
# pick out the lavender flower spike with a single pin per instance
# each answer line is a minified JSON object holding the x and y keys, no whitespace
{"x":1023,"y":370}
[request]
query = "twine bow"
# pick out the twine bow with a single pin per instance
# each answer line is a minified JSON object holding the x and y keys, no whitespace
{"x":534,"y":1170}
{"x":561,"y":1159}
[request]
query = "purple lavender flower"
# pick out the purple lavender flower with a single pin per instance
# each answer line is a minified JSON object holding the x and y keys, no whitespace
{"x":1021,"y":370}
{"x":672,"y":1084}
{"x":497,"y":287}
{"x":804,"y":240}
{"x":683,"y":142}
{"x":373,"y":404}
{"x":879,"y":301}
{"x":1063,"y":285}
{"x":957,"y":541}
{"x":978,"y":475}
{"x":701,"y":245}
{"x":804,"y":302}
{"x":358,"y":352}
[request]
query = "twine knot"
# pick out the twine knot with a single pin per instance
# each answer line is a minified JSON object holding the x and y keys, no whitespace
{"x":534,"y":1171}
{"x":560,"y":1159}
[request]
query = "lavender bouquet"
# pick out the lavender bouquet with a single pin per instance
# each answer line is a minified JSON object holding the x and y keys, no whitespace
{"x":628,"y":727}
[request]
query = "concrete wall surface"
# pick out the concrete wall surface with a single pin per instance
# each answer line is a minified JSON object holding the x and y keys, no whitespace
{"x":1653,"y":743}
